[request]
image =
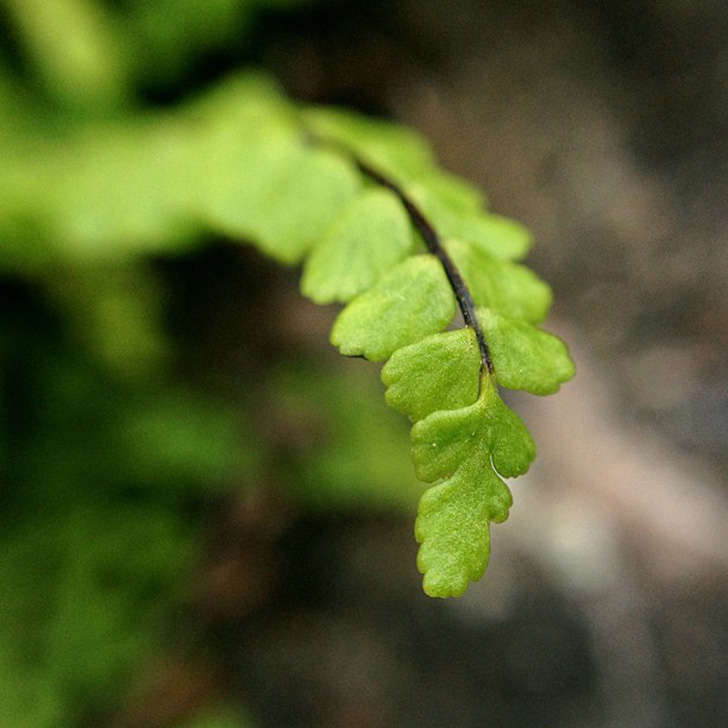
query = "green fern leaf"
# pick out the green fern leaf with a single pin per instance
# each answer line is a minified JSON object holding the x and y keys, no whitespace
{"x":439,"y":372}
{"x":506,"y":287}
{"x":395,"y":150}
{"x":410,"y":302}
{"x":290,"y":223}
{"x":446,"y":438}
{"x":524,"y":356}
{"x":255,"y":192}
{"x":467,"y":447}
{"x":370,"y":236}
{"x":446,"y":195}
{"x":499,"y":236}
{"x":452,"y":528}
{"x":341,"y":194}
{"x":455,"y":215}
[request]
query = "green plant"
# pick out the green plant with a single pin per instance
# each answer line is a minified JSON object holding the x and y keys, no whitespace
{"x":109,"y":450}
{"x":107,"y":447}
{"x":378,"y":226}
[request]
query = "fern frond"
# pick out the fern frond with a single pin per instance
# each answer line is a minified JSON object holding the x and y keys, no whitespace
{"x":348,"y":197}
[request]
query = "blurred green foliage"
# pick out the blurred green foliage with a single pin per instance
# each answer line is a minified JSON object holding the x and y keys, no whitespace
{"x":361,"y":451}
{"x":107,"y":453}
{"x":219,"y":717}
{"x":101,"y":465}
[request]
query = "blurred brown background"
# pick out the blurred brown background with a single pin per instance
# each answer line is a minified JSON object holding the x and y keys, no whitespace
{"x":604,"y":128}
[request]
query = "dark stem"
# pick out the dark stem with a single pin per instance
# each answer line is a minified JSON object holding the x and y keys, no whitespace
{"x":434,"y":245}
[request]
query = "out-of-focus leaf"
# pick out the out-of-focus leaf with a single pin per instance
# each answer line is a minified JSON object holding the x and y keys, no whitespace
{"x":511,"y":289}
{"x":368,"y":238}
{"x":456,"y":215}
{"x":395,"y":150}
{"x":76,"y":50}
{"x":343,"y":451}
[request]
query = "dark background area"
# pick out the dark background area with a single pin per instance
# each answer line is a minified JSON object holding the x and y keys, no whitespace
{"x":602,"y":127}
